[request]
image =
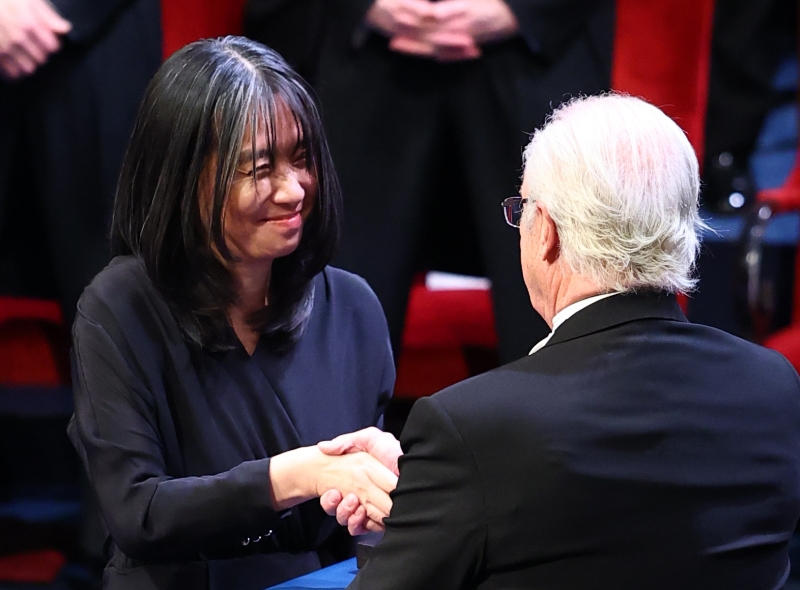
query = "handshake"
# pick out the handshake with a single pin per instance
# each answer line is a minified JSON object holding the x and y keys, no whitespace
{"x":448,"y":30}
{"x":364,"y":502}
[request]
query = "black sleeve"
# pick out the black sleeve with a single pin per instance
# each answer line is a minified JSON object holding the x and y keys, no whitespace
{"x":149,"y":514}
{"x":89,"y":17}
{"x":436,"y":533}
{"x":549,"y":26}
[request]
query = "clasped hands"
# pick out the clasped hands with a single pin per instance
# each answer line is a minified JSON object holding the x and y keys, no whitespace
{"x":361,"y":515}
{"x":449,"y":30}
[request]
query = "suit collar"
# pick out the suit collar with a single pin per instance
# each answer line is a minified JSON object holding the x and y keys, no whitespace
{"x":619,"y":309}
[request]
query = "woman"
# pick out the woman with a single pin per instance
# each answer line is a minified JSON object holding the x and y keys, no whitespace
{"x":217,"y":347}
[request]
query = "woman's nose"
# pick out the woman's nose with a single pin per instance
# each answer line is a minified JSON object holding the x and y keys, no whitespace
{"x":290,"y":189}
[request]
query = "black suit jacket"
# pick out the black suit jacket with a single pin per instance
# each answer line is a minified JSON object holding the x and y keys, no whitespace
{"x":635,"y":450}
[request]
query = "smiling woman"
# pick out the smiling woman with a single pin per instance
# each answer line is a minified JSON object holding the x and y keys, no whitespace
{"x":218,"y":347}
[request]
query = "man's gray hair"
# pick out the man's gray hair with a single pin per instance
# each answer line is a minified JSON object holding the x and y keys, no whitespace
{"x":621,"y":182}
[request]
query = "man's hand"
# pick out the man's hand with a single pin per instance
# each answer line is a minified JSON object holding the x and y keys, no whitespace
{"x":442,"y":46}
{"x":348,"y":510}
{"x":400,"y":17}
{"x":381,"y":445}
{"x":483,"y":20}
{"x":450,"y":30}
{"x":29,"y":34}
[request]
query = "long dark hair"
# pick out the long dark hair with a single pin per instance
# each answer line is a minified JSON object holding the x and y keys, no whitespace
{"x":192,"y":120}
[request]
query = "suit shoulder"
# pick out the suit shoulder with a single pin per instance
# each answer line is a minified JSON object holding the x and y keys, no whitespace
{"x":760,"y":358}
{"x":477,"y":396}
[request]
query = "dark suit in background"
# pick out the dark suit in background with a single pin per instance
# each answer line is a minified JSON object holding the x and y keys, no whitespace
{"x":63,"y":132}
{"x":635,"y":450}
{"x":410,"y":136}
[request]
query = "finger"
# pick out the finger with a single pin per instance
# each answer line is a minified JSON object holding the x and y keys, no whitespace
{"x":453,"y":54}
{"x":447,"y":10}
{"x":330,"y":501}
{"x":333,"y":447}
{"x":50,"y":16}
{"x":374,"y":527}
{"x":411,"y":46}
{"x":356,"y":522}
{"x":345,"y":443}
{"x":382,"y":477}
{"x":25,"y":63}
{"x":379,"y":511}
{"x":347,"y":508}
{"x":44,"y":42}
{"x":452,"y":40}
{"x":9,"y":68}
{"x":416,"y":11}
{"x":379,"y":499}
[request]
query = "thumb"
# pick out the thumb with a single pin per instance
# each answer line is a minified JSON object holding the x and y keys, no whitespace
{"x":53,"y":19}
{"x":337,"y":446}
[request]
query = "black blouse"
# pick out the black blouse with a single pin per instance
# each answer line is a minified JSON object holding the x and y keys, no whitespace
{"x":176,"y":439}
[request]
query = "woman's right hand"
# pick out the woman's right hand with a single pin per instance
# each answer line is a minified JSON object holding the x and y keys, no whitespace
{"x":359,"y":474}
{"x":306,"y":473}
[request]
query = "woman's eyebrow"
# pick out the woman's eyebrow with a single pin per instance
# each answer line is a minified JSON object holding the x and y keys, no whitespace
{"x":246,"y":155}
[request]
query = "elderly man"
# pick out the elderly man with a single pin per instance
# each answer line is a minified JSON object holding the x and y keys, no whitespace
{"x":631,"y":449}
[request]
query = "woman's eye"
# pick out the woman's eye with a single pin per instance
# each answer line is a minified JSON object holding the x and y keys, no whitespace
{"x":261,"y":170}
{"x":300,"y":160}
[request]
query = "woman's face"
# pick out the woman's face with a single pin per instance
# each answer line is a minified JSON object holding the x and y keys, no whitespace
{"x":269,"y":200}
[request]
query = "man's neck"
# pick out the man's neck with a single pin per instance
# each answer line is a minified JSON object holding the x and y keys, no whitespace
{"x":567,"y":290}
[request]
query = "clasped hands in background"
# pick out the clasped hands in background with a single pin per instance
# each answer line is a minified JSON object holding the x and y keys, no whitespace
{"x":364,"y":512}
{"x":448,"y":30}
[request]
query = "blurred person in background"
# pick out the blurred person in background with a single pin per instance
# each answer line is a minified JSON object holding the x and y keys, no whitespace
{"x":72,"y":75}
{"x":426,"y":103}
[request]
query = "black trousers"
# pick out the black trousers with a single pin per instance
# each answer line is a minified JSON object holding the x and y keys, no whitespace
{"x":392,"y":142}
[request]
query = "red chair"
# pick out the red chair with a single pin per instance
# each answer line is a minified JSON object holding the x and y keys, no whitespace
{"x":756,"y":304}
{"x":34,"y":383}
{"x":34,"y":343}
{"x":662,"y":53}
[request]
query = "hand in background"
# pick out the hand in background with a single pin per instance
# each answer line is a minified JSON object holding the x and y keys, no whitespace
{"x":400,"y":17}
{"x":454,"y":29}
{"x":483,"y":20}
{"x":442,"y":46}
{"x":29,"y":34}
{"x":348,"y":510}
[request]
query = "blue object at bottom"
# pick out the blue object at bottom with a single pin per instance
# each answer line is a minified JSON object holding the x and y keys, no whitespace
{"x":335,"y":577}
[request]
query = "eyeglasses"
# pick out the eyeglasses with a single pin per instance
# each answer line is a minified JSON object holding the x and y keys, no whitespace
{"x":512,"y":210}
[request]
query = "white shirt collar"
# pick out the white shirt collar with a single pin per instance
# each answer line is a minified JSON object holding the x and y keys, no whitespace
{"x":566,"y":313}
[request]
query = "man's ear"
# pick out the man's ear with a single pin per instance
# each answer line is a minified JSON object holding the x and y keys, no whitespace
{"x":548,"y":238}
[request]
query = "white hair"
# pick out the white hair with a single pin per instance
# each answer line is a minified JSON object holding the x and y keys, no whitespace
{"x":621,"y":183}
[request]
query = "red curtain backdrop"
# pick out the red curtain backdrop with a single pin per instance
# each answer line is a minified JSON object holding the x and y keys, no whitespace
{"x":662,"y":53}
{"x":184,"y":21}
